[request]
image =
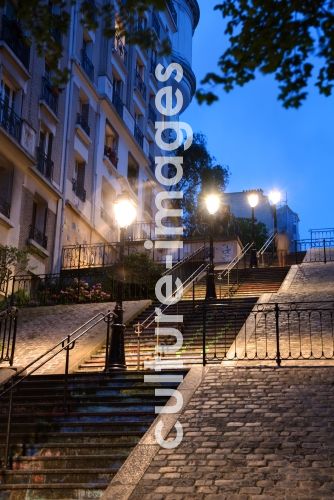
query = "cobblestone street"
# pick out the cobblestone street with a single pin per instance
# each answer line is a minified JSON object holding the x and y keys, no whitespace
{"x":251,"y":433}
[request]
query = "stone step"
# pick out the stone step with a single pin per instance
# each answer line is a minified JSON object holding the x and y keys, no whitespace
{"x":66,"y":491}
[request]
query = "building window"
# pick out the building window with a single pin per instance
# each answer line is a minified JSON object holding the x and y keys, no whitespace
{"x":111,"y":144}
{"x":139,"y":79}
{"x":78,"y":181}
{"x":133,"y":173}
{"x":44,"y":153}
{"x":37,"y":230}
{"x":83,"y":115}
{"x":86,"y":55}
{"x":6,"y":183}
{"x":139,"y":136}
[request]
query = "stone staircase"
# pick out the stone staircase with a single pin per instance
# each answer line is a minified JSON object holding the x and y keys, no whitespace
{"x":75,"y":453}
{"x":249,"y":282}
{"x":223,"y":324}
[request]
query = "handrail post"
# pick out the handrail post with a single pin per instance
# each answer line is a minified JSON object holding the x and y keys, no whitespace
{"x":108,"y":321}
{"x":204,"y":335}
{"x":296,"y":252}
{"x":278,"y":353}
{"x":193,"y":295}
{"x":138,"y":330}
{"x":325,"y":256}
{"x":67,"y":363}
{"x":7,"y":457}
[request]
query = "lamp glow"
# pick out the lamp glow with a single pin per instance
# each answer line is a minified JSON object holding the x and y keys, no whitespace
{"x":253,"y":199}
{"x":275,"y":197}
{"x":125,"y":211}
{"x":212,"y":202}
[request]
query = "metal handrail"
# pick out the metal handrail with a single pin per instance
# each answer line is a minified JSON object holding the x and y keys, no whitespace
{"x":235,"y":261}
{"x":66,"y":344}
{"x":266,"y":244}
{"x":184,"y":260}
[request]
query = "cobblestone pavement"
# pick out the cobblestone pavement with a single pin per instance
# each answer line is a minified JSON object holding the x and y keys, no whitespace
{"x":40,"y":328}
{"x":251,"y":433}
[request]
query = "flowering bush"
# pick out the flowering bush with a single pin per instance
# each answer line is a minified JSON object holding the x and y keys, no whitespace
{"x":81,"y":291}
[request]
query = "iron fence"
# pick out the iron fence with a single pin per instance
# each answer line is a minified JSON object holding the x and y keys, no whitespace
{"x":69,"y":288}
{"x":314,"y":250}
{"x":8,"y":326}
{"x":272,"y":332}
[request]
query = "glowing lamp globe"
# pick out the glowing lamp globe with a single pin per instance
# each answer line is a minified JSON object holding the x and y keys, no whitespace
{"x":253,"y":199}
{"x":125,"y":211}
{"x":275,"y":197}
{"x":212,"y":202}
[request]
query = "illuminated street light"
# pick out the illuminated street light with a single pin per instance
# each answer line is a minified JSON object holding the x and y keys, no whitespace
{"x":212,"y":202}
{"x":125,"y":214}
{"x":253,"y":201}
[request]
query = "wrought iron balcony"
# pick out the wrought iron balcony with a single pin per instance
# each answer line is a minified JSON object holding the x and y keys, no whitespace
{"x":120,"y":49}
{"x":38,"y":236}
{"x":5,"y":207}
{"x":111,"y":154}
{"x":44,"y":164}
{"x":83,"y":122}
{"x":118,"y":103}
{"x":152,"y":114}
{"x":9,"y":120}
{"x":87,"y":65}
{"x":140,"y":85}
{"x":172,"y":10}
{"x":156,"y":24}
{"x":12,"y":34}
{"x":79,"y":190}
{"x":49,"y":94}
{"x":139,"y":136}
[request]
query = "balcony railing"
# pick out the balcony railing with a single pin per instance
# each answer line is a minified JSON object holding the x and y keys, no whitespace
{"x":44,"y":164}
{"x":83,"y":122}
{"x":140,"y":85}
{"x":152,"y":114}
{"x":4,"y":207}
{"x":10,"y":121}
{"x":79,"y":190}
{"x":139,"y":136}
{"x":172,"y":10}
{"x":49,"y":95}
{"x":156,"y":24}
{"x":120,"y":49}
{"x":118,"y":103}
{"x":111,"y":154}
{"x":38,"y":236}
{"x":11,"y":33}
{"x":87,"y":65}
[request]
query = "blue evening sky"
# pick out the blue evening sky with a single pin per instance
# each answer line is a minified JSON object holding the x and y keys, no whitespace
{"x":265,"y":145}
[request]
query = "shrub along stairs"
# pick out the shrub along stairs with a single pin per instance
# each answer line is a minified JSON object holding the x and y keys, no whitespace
{"x":224,"y":320}
{"x":73,"y":450}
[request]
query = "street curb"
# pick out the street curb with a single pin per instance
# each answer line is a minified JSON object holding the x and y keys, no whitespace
{"x":128,"y":477}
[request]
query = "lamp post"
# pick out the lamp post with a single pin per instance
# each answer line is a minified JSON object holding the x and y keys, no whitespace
{"x":253,"y":201}
{"x":274,"y":198}
{"x":125,"y":214}
{"x":212,"y":202}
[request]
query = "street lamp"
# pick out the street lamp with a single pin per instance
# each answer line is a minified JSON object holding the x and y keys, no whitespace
{"x":253,"y":201}
{"x":212,"y":202}
{"x":274,"y":198}
{"x":125,"y":215}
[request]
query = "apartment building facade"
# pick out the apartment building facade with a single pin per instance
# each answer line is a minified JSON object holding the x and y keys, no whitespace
{"x":65,"y":154}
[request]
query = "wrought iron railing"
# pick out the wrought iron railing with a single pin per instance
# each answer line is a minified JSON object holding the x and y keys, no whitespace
{"x":87,"y":65}
{"x":229,"y":277}
{"x":272,"y":332}
{"x":326,"y":233}
{"x":311,"y":250}
{"x":140,"y":85}
{"x":49,"y":95}
{"x":83,"y":122}
{"x":12,"y":34}
{"x":44,"y":164}
{"x":9,"y":120}
{"x":111,"y":154}
{"x":79,"y":190}
{"x":63,"y":347}
{"x":87,"y":256}
{"x":139,"y":136}
{"x":38,"y":236}
{"x":8,"y":327}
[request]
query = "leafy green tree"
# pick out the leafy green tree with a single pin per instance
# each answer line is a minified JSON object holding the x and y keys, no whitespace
{"x":245,"y":232}
{"x":12,"y":260}
{"x":290,"y":39}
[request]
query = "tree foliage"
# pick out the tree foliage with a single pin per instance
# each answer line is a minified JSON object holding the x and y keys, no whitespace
{"x":12,"y":258}
{"x":290,"y":39}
